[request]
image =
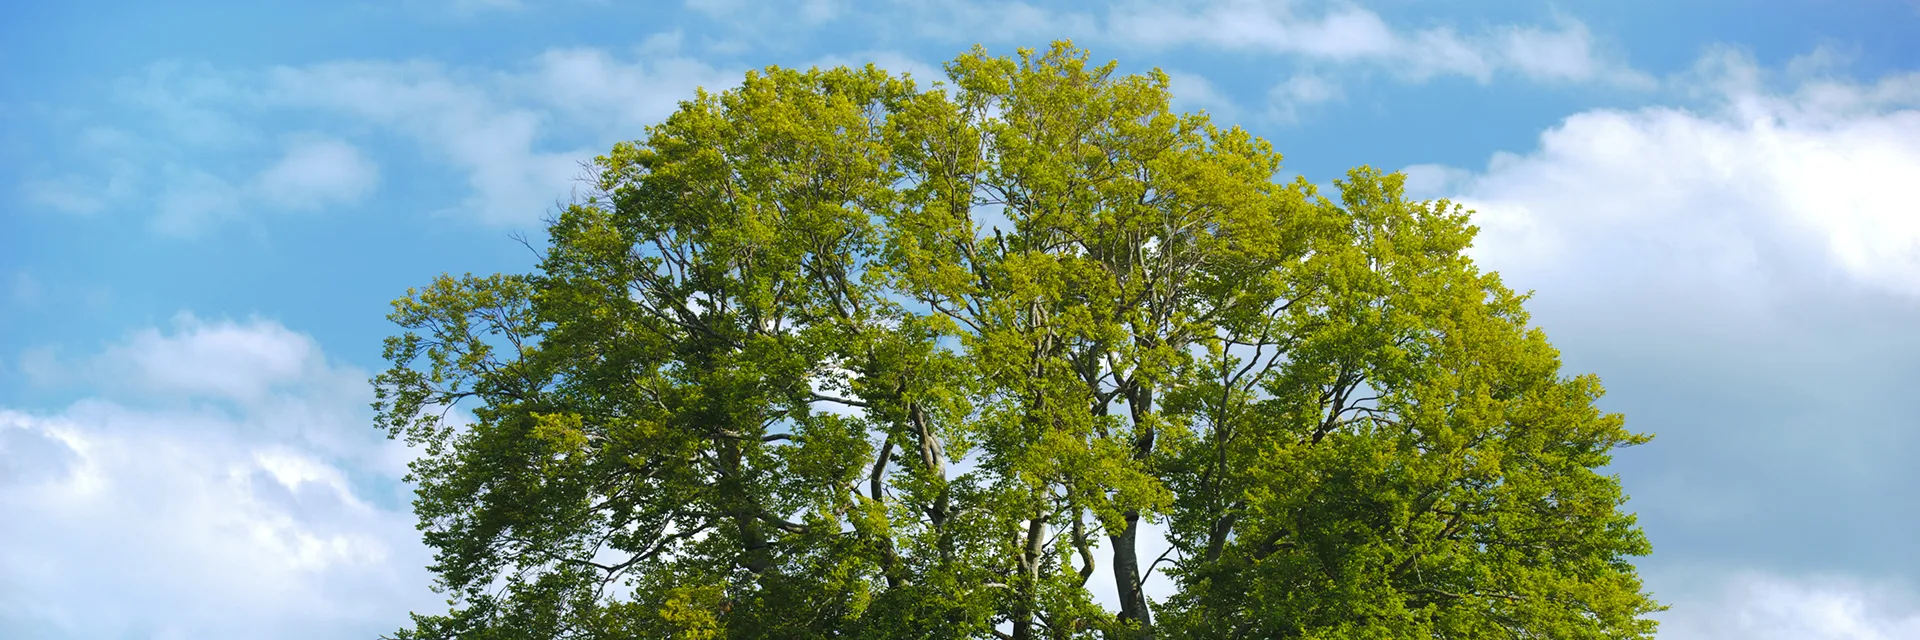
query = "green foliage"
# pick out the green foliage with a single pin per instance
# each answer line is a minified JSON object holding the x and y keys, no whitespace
{"x":831,"y":355}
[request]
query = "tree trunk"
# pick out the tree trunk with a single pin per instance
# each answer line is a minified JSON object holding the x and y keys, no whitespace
{"x":1126,"y":553}
{"x":1030,"y":580}
{"x":1126,"y":577}
{"x":756,"y":556}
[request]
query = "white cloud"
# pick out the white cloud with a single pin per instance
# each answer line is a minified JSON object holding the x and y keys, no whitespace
{"x":1550,"y":55}
{"x":924,"y":73}
{"x":135,"y":171}
{"x":1745,"y":275}
{"x":1301,"y":90}
{"x":192,"y":104}
{"x":1193,"y":92}
{"x":26,"y":288}
{"x":68,"y":194}
{"x":1762,"y":178}
{"x":256,"y":367}
{"x":810,"y":12}
{"x":1342,"y":38}
{"x":317,"y":171}
{"x":1762,"y":606}
{"x":498,"y":128}
{"x":615,"y":97}
{"x":459,"y":123}
{"x":1434,"y":181}
{"x":1818,"y":63}
{"x":661,"y":44}
{"x":972,"y":21}
{"x":110,"y":175}
{"x":817,"y":11}
{"x":191,"y":198}
{"x":1441,"y":50}
{"x":221,"y":359}
{"x":1342,"y":34}
{"x":1307,"y":88}
{"x":41,"y":365}
{"x":469,"y":7}
{"x":278,"y":518}
{"x":518,"y":136}
{"x":1350,"y":34}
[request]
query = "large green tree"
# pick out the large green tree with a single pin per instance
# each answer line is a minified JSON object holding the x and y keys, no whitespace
{"x":834,"y":355}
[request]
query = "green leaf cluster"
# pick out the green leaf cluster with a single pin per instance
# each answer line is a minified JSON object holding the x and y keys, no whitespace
{"x":835,"y":355}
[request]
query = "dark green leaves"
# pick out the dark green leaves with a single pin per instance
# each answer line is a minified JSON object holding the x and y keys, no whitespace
{"x":830,"y":355}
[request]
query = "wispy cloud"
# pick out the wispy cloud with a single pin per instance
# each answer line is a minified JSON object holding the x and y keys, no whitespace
{"x":1193,"y":92}
{"x":500,"y":129}
{"x":108,"y":171}
{"x":25,"y":288}
{"x":316,"y":171}
{"x":980,"y":21}
{"x":312,"y":173}
{"x":924,"y":73}
{"x":615,"y":95}
{"x":1566,"y":53}
{"x":1347,"y":34}
{"x":810,"y":12}
{"x":191,"y":198}
{"x":1344,"y":33}
{"x":481,"y":6}
{"x":519,"y":136}
{"x":1302,"y":90}
{"x":1324,"y":44}
{"x":1319,"y":33}
{"x":467,"y":125}
{"x":68,"y":193}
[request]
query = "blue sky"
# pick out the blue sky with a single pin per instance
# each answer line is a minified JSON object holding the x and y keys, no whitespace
{"x":207,"y":207}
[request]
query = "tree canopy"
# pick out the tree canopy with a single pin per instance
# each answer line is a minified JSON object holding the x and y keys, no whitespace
{"x":832,"y":354}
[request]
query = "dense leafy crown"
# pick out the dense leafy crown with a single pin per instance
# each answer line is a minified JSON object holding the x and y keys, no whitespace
{"x":831,"y":355}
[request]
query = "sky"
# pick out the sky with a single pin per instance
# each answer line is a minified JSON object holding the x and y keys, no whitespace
{"x":206,"y":208}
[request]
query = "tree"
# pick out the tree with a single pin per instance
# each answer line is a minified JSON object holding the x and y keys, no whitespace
{"x":830,"y":355}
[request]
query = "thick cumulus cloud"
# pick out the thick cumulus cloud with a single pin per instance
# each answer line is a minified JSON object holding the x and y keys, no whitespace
{"x":1813,"y":179}
{"x":1745,"y":275}
{"x":223,"y":483}
{"x":1761,"y":606}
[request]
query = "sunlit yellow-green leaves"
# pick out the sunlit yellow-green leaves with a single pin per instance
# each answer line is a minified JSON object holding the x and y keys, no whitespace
{"x":843,"y":354}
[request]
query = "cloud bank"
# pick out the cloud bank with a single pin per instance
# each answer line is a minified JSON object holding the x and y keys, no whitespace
{"x":1745,"y":275}
{"x":224,"y":484}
